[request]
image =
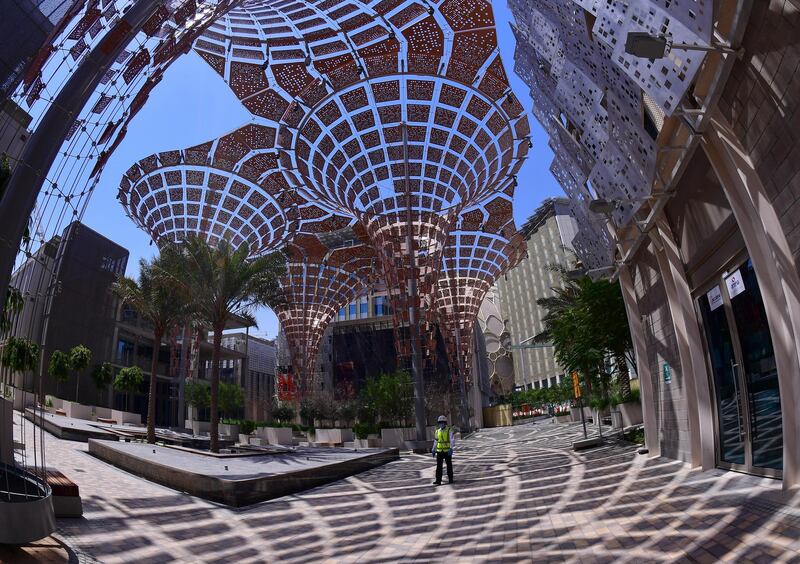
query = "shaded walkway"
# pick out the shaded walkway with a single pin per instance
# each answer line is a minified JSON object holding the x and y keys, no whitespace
{"x":521,"y":494}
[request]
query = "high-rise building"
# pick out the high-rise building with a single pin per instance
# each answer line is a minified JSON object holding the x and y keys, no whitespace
{"x":548,"y":233}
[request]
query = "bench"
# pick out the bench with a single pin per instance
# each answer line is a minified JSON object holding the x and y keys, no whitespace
{"x":61,"y":412}
{"x":66,"y":494}
{"x":106,"y":420}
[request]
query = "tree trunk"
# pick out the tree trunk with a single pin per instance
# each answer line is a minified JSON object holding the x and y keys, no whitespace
{"x":77,"y":385}
{"x":624,"y":378}
{"x":215,"y":388}
{"x":184,"y":364}
{"x":151,"y":400}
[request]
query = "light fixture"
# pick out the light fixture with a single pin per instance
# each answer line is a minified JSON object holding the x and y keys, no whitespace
{"x":648,"y":46}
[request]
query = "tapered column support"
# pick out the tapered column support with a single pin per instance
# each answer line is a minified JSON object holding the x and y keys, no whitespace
{"x":690,"y":348}
{"x":651,"y":431}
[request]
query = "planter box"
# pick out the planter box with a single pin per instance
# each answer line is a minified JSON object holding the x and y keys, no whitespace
{"x":58,"y":403}
{"x":575,"y":415}
{"x":616,"y":419}
{"x":77,"y":410}
{"x":566,"y":418}
{"x":198,"y":427}
{"x":395,"y":437}
{"x":103,"y":412}
{"x":275,"y":435}
{"x":244,"y":439}
{"x":333,"y":436}
{"x":367,"y":443}
{"x":228,"y":430}
{"x":123,"y":417}
{"x":631,"y":413}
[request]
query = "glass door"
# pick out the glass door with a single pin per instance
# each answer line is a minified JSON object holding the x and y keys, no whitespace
{"x":745,"y":378}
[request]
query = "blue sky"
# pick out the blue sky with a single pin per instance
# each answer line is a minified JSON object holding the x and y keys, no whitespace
{"x":192,"y":105}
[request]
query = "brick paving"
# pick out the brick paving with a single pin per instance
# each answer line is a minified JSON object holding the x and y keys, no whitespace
{"x":520,"y":495}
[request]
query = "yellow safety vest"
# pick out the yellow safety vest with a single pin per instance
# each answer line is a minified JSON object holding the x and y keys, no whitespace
{"x":443,"y":439}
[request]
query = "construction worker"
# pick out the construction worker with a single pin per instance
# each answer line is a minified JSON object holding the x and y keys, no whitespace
{"x":443,"y":450}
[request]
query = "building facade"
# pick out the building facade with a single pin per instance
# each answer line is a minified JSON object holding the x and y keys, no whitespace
{"x":549,"y":233}
{"x":68,"y":300}
{"x":702,"y":228}
{"x":255,"y":373}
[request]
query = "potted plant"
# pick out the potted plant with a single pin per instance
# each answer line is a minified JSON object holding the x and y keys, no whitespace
{"x":231,"y":399}
{"x":129,"y":380}
{"x":198,"y":397}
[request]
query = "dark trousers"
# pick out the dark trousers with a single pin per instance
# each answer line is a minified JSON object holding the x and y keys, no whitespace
{"x":442,"y":457}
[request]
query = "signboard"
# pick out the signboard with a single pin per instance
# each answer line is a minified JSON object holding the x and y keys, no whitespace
{"x":576,"y":385}
{"x":667,"y":374}
{"x":714,"y":296}
{"x":735,"y":284}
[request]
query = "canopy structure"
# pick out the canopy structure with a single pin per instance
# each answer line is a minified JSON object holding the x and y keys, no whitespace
{"x":481,"y":248}
{"x":393,"y":116}
{"x":319,"y":281}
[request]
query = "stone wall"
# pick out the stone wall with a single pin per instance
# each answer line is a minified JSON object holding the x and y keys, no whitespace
{"x":662,"y":347}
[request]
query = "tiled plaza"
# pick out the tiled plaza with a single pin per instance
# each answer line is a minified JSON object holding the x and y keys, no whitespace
{"x":521,"y":494}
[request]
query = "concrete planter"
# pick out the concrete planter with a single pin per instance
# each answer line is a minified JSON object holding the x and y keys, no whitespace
{"x":575,"y":414}
{"x":396,"y":437}
{"x":104,"y":412}
{"x":616,"y":419}
{"x":228,"y":430}
{"x":275,"y":435}
{"x":198,"y":427}
{"x":77,"y":410}
{"x":566,"y":418}
{"x":244,"y":439}
{"x":631,"y":413}
{"x":333,"y":436}
{"x":367,"y":443}
{"x":123,"y":417}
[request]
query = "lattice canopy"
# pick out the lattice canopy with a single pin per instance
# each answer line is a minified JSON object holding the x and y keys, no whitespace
{"x":318,"y":282}
{"x":479,"y":250}
{"x":360,"y":113}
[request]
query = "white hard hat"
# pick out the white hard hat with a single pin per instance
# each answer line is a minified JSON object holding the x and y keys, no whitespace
{"x":442,"y":419}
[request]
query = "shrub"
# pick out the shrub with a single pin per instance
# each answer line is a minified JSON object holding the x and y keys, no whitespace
{"x":231,"y":398}
{"x":129,"y":379}
{"x":284,"y":413}
{"x":102,"y":375}
{"x":58,"y":367}
{"x":197,"y":394}
{"x":362,"y":430}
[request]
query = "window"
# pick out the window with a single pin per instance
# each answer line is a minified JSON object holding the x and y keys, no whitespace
{"x":380,"y":306}
{"x":341,"y":314}
{"x":364,"y":308}
{"x":352,"y":311}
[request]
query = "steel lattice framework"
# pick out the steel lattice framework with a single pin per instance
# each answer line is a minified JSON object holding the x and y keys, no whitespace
{"x":318,"y":282}
{"x":392,"y":116}
{"x":479,"y":250}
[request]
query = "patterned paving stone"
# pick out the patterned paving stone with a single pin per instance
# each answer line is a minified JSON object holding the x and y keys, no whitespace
{"x":521,"y":495}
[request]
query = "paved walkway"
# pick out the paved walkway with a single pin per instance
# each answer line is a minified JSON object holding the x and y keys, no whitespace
{"x":520,"y":495}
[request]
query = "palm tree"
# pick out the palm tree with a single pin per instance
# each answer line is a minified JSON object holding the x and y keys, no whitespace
{"x":160,"y":302}
{"x":224,"y":282}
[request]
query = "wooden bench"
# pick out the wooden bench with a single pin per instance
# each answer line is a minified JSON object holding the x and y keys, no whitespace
{"x":66,"y":494}
{"x":61,"y":412}
{"x":106,"y":420}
